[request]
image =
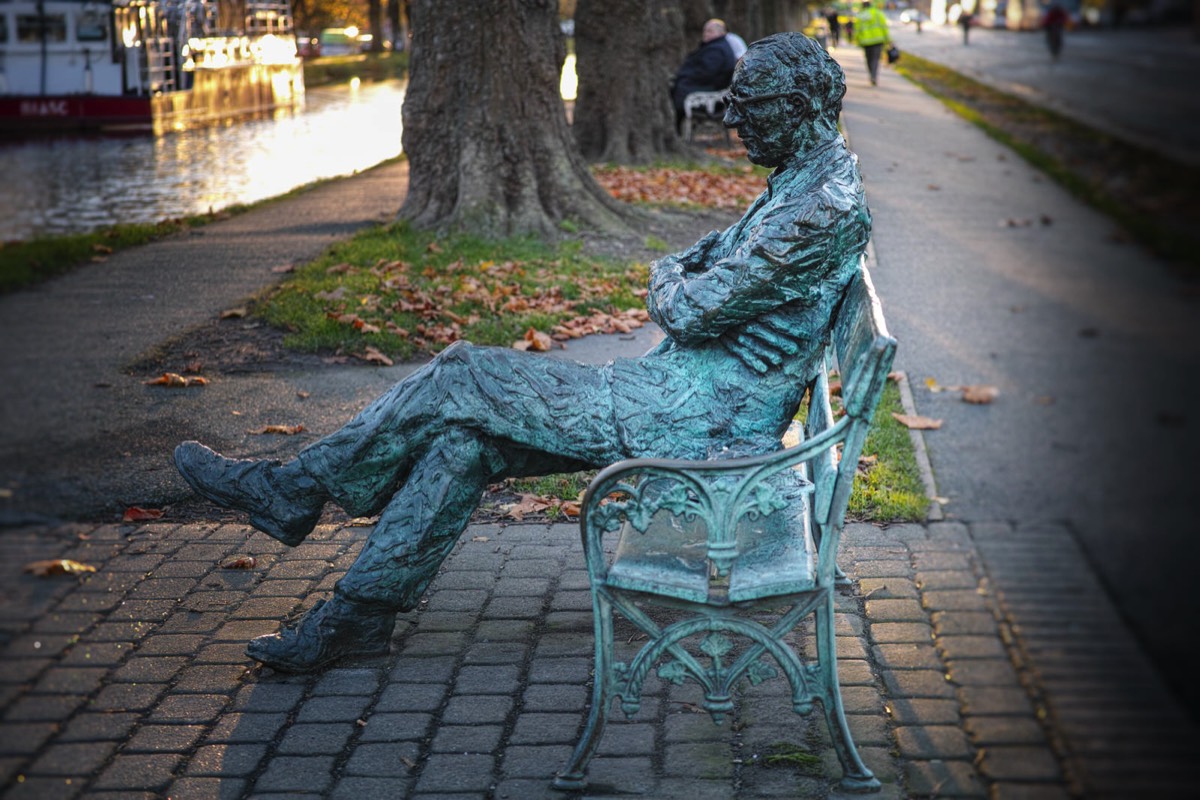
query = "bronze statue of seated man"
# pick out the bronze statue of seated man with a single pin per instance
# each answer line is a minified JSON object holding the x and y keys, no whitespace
{"x":746,"y":312}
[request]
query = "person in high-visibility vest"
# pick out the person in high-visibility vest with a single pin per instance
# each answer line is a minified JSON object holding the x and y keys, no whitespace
{"x":871,"y":33}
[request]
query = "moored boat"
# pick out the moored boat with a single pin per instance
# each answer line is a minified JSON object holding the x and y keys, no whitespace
{"x":152,"y":65}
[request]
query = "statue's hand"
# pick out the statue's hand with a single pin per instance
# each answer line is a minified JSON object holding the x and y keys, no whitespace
{"x":696,"y":258}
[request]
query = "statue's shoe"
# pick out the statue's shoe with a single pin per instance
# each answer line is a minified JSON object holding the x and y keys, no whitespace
{"x":282,"y":502}
{"x":331,"y":631}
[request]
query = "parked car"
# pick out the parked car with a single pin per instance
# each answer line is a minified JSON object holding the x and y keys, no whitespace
{"x":339,"y":42}
{"x":308,"y":46}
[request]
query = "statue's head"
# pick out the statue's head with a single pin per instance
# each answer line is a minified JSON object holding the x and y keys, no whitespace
{"x":786,"y":96}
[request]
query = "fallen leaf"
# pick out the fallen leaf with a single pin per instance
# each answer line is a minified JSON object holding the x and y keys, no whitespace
{"x":479,"y":538}
{"x":174,"y":379}
{"x":239,"y":562}
{"x":136,"y":514}
{"x":101,"y":248}
{"x":1044,"y":400}
{"x":234,"y":313}
{"x":362,"y":723}
{"x":282,"y":430}
{"x":932,"y":385}
{"x":303,"y":395}
{"x":941,"y":501}
{"x":374,"y":356}
{"x":896,"y":376}
{"x":534,"y":340}
{"x":933,"y":187}
{"x":527,"y":504}
{"x":5,"y":494}
{"x":570,"y":508}
{"x":433,"y":247}
{"x":917,"y":422}
{"x":979,"y":394}
{"x":57,"y":566}
{"x":284,"y":268}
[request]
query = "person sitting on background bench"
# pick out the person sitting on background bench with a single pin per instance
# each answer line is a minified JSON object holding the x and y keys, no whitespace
{"x":708,"y":68}
{"x":746,"y":312}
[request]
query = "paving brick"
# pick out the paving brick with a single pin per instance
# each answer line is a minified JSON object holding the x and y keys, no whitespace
{"x":984,"y":700}
{"x":347,"y":682}
{"x":383,"y":760}
{"x":264,"y":696}
{"x":963,"y":647}
{"x":292,"y":774}
{"x":305,"y":739}
{"x":467,"y":738}
{"x":96,"y":727}
{"x":164,"y":739}
{"x":139,"y":772}
{"x":34,"y":788}
{"x":528,"y":761}
{"x":356,"y":788}
{"x":388,"y":727}
{"x":333,"y":708}
{"x":1002,"y":790}
{"x":906,"y":655}
{"x":72,"y":760}
{"x":537,"y":728}
{"x":246,"y":728}
{"x":489,"y":679}
{"x":933,"y":741}
{"x":210,"y":679}
{"x":986,"y":731}
{"x":455,"y":773}
{"x":903,"y":610}
{"x":918,"y":683}
{"x":880,"y":569}
{"x":496,"y":653}
{"x":924,"y":711}
{"x":555,"y":697}
{"x":97,"y":654}
{"x":226,"y":760}
{"x":44,"y":708}
{"x":895,"y":632}
{"x":411,"y":697}
{"x":951,"y":623}
{"x":128,"y":697}
{"x":1021,"y":763}
{"x":943,"y":779}
{"x":206,"y":788}
{"x":224,"y":653}
{"x":192,"y":622}
{"x":983,"y":672}
{"x":888,"y":588}
{"x":21,"y":670}
{"x":70,"y":680}
{"x":699,"y":760}
{"x":561,"y":670}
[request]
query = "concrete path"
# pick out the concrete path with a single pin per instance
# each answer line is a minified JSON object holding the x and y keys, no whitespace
{"x":1138,"y":84}
{"x":982,"y":654}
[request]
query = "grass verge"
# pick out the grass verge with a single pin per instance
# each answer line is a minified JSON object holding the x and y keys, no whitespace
{"x":888,"y":486}
{"x":403,"y":292}
{"x":365,"y":66}
{"x":1152,"y":197}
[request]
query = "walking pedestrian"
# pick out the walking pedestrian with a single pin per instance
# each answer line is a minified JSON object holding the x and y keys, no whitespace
{"x":871,"y":30}
{"x":965,"y":20}
{"x":835,"y":27}
{"x":1055,"y":22}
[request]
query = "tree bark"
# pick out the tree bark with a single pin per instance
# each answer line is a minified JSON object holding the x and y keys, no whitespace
{"x":626,"y":53}
{"x":485,"y":128}
{"x":375,"y":22}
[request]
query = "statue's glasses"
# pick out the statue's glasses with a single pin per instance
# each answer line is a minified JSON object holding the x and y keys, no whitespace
{"x":741,"y":104}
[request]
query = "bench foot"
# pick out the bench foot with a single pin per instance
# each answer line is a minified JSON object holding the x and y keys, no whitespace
{"x":862,"y":784}
{"x":570,"y":783}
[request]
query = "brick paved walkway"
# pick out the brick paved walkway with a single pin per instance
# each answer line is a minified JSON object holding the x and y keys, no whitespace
{"x":958,"y":682}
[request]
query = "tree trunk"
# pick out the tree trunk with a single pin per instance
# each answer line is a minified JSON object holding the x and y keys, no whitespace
{"x":485,"y":129}
{"x":375,"y":21}
{"x":626,"y":53}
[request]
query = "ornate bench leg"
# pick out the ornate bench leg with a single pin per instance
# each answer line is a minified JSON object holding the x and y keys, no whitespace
{"x":573,"y":777}
{"x":856,"y":777}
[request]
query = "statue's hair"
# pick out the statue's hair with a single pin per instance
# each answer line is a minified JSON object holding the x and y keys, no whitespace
{"x":805,"y":66}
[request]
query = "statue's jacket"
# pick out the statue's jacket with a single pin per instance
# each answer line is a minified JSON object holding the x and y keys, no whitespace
{"x":747,"y":314}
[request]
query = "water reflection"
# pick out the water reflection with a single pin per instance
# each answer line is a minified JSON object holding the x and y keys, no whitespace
{"x":59,"y":186}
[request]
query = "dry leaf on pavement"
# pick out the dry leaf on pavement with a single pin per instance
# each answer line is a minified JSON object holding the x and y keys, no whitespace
{"x":979,"y":394}
{"x":175,"y":380}
{"x":57,"y":566}
{"x":527,"y":504}
{"x":239,"y":562}
{"x":917,"y":422}
{"x":282,"y":430}
{"x":234,"y":313}
{"x":137,"y":514}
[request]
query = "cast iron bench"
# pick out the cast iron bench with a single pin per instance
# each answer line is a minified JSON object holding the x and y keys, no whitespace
{"x":701,"y":107}
{"x":703,"y":547}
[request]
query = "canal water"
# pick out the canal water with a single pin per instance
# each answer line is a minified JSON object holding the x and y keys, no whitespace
{"x":75,"y":185}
